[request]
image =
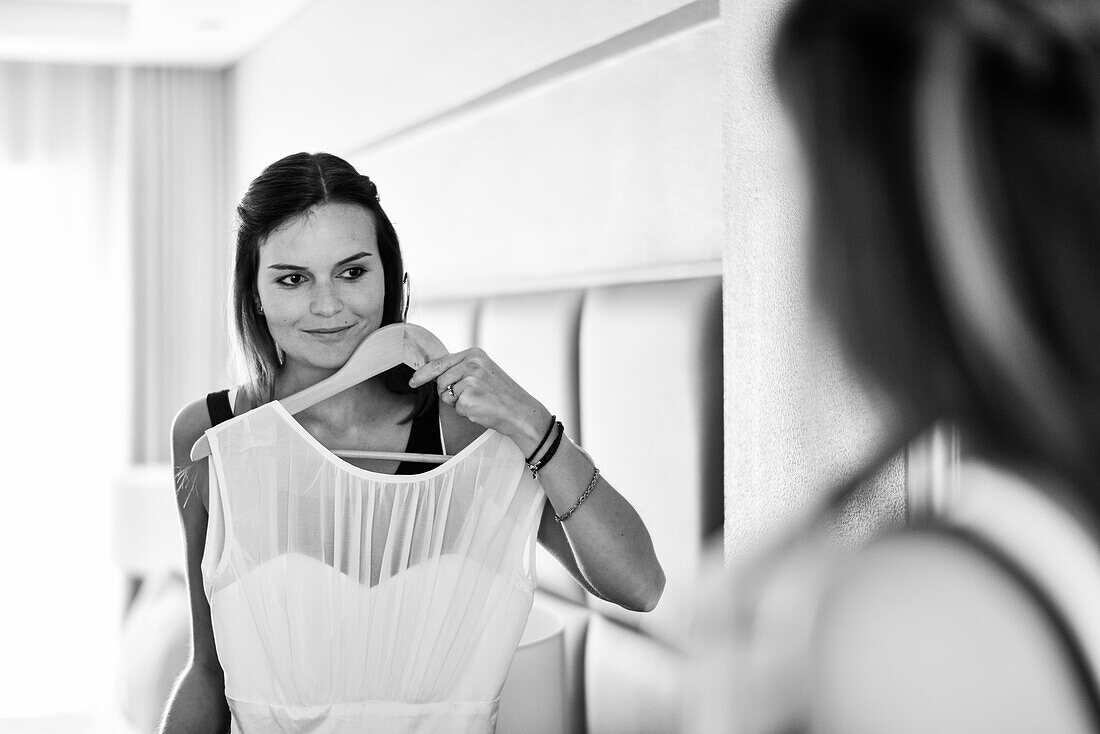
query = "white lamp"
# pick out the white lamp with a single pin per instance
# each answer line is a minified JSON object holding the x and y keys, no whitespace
{"x":533,"y":699}
{"x":145,"y":527}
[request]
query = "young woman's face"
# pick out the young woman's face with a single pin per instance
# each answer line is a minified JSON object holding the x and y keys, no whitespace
{"x":321,"y":285}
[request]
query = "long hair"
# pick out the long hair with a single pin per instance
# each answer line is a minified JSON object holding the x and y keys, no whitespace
{"x":910,"y":297}
{"x":286,"y":189}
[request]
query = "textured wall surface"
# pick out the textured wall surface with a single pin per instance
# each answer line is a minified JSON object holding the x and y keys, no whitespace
{"x":608,"y":169}
{"x":796,"y":421}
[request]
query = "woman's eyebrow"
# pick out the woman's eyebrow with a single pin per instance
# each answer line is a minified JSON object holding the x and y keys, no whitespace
{"x":356,"y":256}
{"x":285,"y":266}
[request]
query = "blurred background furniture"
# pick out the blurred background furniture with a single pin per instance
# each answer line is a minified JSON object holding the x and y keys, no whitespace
{"x":533,"y":699}
{"x":634,"y":372}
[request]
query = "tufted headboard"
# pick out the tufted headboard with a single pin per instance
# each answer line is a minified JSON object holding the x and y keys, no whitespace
{"x":635,"y":374}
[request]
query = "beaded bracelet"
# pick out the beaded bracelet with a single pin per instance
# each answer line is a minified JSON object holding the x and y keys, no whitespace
{"x":582,"y":498}
{"x":549,"y":452}
{"x":549,"y":428}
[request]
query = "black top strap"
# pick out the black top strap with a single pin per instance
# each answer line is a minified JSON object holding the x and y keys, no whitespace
{"x":217,"y":404}
{"x":423,"y":439}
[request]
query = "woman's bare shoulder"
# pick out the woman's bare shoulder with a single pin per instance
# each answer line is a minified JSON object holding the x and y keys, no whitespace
{"x":190,"y":422}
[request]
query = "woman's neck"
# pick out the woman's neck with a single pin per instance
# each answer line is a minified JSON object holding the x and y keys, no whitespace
{"x":354,"y":406}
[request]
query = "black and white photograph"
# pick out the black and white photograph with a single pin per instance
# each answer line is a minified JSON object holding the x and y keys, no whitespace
{"x":633,"y":367}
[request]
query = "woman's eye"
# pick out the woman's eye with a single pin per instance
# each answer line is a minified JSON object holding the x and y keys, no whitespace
{"x":292,"y":279}
{"x":355,"y":273}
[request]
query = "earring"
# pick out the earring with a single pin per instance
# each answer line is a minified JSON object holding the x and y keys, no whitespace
{"x":259,"y":308}
{"x":279,"y":353}
{"x":408,"y":296}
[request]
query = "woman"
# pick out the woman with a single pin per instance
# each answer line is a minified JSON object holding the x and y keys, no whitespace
{"x":954,"y":153}
{"x":318,"y":268}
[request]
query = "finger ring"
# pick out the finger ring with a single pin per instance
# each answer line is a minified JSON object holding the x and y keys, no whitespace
{"x":451,"y":390}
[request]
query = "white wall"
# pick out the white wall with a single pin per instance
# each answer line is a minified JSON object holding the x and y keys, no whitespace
{"x":524,"y":146}
{"x":607,"y":169}
{"x":346,"y":72}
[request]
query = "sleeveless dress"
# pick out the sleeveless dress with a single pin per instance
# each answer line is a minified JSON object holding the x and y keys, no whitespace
{"x":345,"y":600}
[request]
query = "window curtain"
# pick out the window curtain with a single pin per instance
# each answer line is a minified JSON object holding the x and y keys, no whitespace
{"x":65,"y":306}
{"x":115,"y":228}
{"x":182,"y":229}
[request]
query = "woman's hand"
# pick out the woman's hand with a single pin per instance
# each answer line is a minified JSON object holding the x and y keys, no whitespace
{"x":482,"y":392}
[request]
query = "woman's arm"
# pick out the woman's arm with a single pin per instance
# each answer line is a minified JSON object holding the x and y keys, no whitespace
{"x":604,"y":538}
{"x":604,"y":543}
{"x":197,"y":703}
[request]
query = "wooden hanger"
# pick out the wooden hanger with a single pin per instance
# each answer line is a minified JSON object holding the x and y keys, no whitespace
{"x":382,"y":349}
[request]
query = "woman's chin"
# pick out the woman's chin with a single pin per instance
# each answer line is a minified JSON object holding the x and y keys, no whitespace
{"x":321,"y":358}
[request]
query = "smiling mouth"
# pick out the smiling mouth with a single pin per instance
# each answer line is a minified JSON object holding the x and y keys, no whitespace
{"x":335,"y":330}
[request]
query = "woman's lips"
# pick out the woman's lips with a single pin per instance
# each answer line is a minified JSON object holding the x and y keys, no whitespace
{"x":328,"y":334}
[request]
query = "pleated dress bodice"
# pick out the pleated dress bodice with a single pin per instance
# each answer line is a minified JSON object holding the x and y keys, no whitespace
{"x":345,"y":600}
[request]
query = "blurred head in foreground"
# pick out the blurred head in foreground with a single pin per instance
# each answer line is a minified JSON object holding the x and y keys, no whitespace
{"x":954,"y":150}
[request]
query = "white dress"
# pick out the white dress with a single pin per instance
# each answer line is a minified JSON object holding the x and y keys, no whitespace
{"x":345,"y":600}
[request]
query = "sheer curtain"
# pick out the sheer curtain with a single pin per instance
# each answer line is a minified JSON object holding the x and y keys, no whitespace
{"x":182,"y":232}
{"x":66,"y":362}
{"x":115,"y":228}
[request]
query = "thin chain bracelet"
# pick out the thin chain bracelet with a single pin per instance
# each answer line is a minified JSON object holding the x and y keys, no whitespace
{"x":582,"y":498}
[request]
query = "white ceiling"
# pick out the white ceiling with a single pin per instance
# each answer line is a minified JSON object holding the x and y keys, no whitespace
{"x":169,"y":32}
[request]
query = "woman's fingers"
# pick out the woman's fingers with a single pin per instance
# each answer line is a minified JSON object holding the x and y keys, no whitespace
{"x":477,"y":388}
{"x":449,"y":385}
{"x":432,"y":370}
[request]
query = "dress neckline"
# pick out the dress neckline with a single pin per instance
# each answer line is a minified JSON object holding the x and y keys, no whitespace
{"x":350,"y":468}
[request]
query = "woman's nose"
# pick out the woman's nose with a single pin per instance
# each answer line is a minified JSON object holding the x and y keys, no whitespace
{"x":325,"y":301}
